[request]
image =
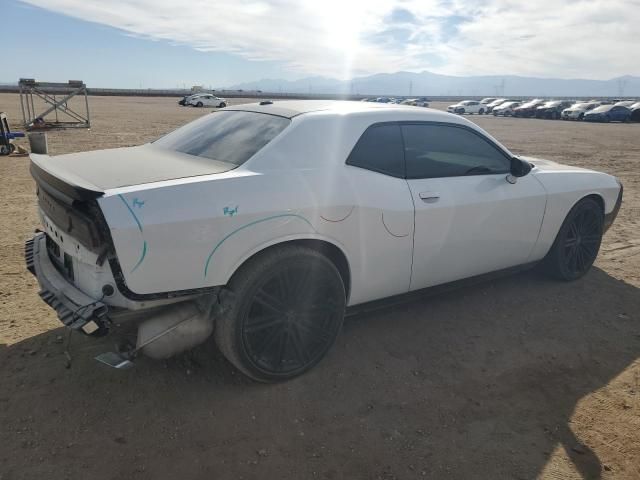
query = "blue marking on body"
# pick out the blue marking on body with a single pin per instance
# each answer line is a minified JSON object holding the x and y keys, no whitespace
{"x":230,"y":211}
{"x":206,"y":266}
{"x":131,"y":211}
{"x":144,"y":253}
{"x":144,"y":242}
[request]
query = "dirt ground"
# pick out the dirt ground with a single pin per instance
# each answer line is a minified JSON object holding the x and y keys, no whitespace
{"x":518,"y":378}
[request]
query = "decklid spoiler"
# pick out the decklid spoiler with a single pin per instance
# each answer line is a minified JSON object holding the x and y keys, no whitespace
{"x":89,"y":174}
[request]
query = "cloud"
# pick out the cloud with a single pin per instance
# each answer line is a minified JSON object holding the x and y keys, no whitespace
{"x":571,"y":38}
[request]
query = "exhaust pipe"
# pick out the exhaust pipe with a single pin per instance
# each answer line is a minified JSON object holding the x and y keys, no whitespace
{"x":172,"y":330}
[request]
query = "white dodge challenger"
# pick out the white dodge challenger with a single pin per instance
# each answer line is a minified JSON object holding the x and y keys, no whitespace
{"x":262,"y":224}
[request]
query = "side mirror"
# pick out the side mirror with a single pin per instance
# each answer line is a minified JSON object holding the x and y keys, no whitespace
{"x":519,"y":168}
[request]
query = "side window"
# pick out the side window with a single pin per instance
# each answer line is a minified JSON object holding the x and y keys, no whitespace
{"x":379,"y":149}
{"x":434,"y":151}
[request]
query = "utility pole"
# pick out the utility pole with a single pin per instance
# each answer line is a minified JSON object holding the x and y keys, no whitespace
{"x":622,"y":85}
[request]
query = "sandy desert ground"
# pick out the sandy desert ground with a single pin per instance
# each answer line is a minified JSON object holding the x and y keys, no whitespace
{"x":518,"y":378}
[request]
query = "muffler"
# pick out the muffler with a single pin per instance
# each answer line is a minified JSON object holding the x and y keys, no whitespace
{"x":175,"y":329}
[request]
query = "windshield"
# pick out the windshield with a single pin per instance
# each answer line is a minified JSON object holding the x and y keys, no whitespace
{"x":603,"y":108}
{"x":227,"y":136}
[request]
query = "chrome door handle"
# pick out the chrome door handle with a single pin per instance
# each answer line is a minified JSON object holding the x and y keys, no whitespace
{"x":429,"y":196}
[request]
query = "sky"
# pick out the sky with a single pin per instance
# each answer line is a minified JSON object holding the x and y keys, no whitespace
{"x":168,"y":43}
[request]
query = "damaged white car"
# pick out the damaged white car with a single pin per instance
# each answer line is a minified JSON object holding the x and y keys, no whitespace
{"x":263,"y":224}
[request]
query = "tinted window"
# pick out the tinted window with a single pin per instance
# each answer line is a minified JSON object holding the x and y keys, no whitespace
{"x":379,"y":149}
{"x":433,"y":151}
{"x":226,"y":136}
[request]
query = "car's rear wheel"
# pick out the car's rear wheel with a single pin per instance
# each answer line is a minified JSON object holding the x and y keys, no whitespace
{"x":222,"y":105}
{"x":481,"y":111}
{"x":577,"y":244}
{"x":284,"y":312}
{"x":199,"y":105}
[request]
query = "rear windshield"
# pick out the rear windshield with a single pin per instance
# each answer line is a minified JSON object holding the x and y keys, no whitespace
{"x":227,"y":136}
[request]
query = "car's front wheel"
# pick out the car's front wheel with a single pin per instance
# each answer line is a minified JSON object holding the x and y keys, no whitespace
{"x":577,"y":244}
{"x":199,"y":105}
{"x":283,"y":312}
{"x":222,"y":105}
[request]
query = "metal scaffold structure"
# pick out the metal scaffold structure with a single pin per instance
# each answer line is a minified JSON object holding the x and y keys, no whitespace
{"x":56,"y":98}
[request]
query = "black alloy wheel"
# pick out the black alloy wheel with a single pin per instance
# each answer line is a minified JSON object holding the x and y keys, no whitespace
{"x":578,"y":241}
{"x":288,"y":311}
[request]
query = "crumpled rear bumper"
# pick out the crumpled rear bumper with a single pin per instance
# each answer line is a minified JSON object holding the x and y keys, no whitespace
{"x":74,"y":308}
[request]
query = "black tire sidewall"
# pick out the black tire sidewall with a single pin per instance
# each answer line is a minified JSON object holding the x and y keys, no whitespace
{"x":555,"y":261}
{"x":245,"y":284}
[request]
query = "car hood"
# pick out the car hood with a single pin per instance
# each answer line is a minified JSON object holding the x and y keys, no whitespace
{"x":101,"y":170}
{"x":542,"y":165}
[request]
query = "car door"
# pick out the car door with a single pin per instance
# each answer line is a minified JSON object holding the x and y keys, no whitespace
{"x":618,"y":114}
{"x":469,"y":219}
{"x":384,"y":216}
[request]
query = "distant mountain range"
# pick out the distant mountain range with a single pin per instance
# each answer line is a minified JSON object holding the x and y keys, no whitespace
{"x":427,"y":83}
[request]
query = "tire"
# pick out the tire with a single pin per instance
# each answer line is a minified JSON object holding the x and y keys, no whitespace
{"x":284,"y":312}
{"x":222,"y":105}
{"x":578,"y":241}
{"x":581,"y":117}
{"x":4,"y":150}
{"x":461,"y":111}
{"x":199,"y":105}
{"x":481,"y":111}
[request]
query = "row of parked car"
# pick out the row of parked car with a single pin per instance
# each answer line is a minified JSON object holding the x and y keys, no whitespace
{"x":416,"y":102}
{"x":202,"y":100}
{"x":590,"y":111}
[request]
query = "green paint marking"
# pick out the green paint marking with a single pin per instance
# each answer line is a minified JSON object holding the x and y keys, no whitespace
{"x":144,"y":253}
{"x":144,"y":244}
{"x":131,"y":211}
{"x":206,"y":266}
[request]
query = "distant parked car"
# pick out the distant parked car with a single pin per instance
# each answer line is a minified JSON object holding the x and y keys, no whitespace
{"x":528,"y":109}
{"x":552,"y":109}
{"x":608,"y":113}
{"x":467,"y":106}
{"x":417,"y":102}
{"x":383,"y":100}
{"x":577,"y":110}
{"x":488,"y":100}
{"x":635,"y":112}
{"x":506,"y":109}
{"x":498,"y":101}
{"x":624,"y":103}
{"x":187,"y":98}
{"x":208,"y":100}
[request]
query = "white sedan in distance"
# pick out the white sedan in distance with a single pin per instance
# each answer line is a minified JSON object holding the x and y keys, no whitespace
{"x":467,"y":106}
{"x":506,"y":109}
{"x":577,"y":110}
{"x":263,"y":224}
{"x":207,"y":100}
